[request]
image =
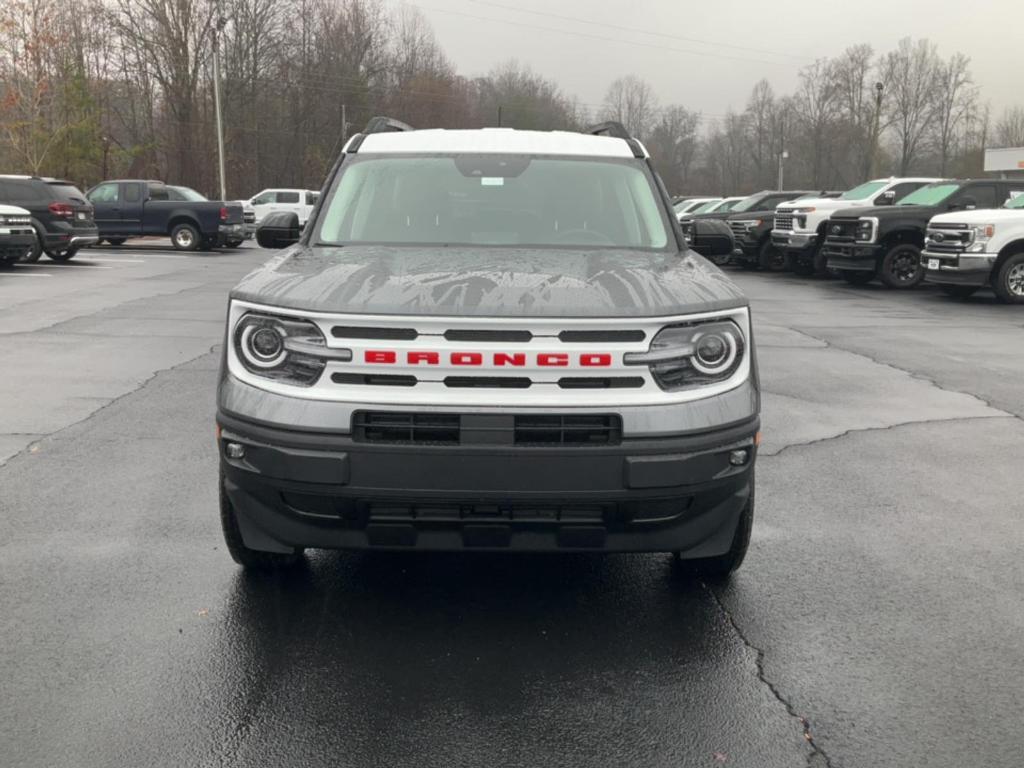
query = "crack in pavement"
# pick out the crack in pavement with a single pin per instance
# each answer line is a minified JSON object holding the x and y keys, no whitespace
{"x":145,"y":382}
{"x":912,"y":374}
{"x":885,"y":428}
{"x":759,"y":655}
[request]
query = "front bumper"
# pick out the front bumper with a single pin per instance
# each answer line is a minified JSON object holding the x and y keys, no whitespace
{"x":794,"y":241}
{"x":15,"y":242}
{"x":301,"y":489}
{"x":855,"y":257}
{"x":958,"y":269}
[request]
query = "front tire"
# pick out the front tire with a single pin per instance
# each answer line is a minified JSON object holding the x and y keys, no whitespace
{"x":901,"y":266}
{"x":719,"y":568}
{"x":250,"y":559}
{"x":1009,"y":281}
{"x":35,"y":251}
{"x":770,"y":258}
{"x":185,"y":237}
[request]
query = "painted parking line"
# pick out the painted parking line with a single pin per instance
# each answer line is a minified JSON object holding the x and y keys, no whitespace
{"x":25,"y":274}
{"x":114,"y":261}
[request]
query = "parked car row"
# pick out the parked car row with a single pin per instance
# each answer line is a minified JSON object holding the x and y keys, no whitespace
{"x":959,"y":234}
{"x":43,"y":215}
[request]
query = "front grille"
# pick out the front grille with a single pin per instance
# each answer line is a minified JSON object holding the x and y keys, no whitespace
{"x":784,"y":222}
{"x":249,"y":217}
{"x":401,"y":428}
{"x":739,"y":229}
{"x":948,"y":238}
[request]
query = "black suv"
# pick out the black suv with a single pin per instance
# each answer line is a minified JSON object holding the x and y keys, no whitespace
{"x":886,"y":241}
{"x":751,"y":222}
{"x":61,"y":216}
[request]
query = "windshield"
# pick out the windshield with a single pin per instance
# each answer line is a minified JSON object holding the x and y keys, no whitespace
{"x":728,"y":205}
{"x":864,"y":190}
{"x":707,"y":207}
{"x":184,"y":193}
{"x":494,"y":200}
{"x":1016,"y":200}
{"x":68,"y":192}
{"x":747,"y":203}
{"x":933,"y":194}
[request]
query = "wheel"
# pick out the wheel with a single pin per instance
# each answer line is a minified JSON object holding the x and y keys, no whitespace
{"x":800,"y":266}
{"x":819,"y":261}
{"x":185,"y":237}
{"x":959,"y":291}
{"x":856,"y":276}
{"x":35,"y":251}
{"x":771,"y":258}
{"x":233,"y":243}
{"x":67,"y":255}
{"x":901,"y":266}
{"x":116,"y":240}
{"x":251,"y":559}
{"x":717,"y":568}
{"x":1009,"y":282}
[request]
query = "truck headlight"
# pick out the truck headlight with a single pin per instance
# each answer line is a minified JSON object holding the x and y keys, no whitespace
{"x":866,"y":230}
{"x":980,"y":237}
{"x":692,"y":355}
{"x":283,"y":348}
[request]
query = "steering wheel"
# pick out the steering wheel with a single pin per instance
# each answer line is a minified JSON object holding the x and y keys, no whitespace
{"x":586,"y":235}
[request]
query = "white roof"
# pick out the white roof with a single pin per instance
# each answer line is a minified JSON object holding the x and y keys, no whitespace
{"x":498,"y":141}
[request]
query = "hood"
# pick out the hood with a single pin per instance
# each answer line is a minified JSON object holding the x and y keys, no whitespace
{"x":819,"y":203}
{"x":888,"y":211}
{"x":981,"y":216}
{"x":490,"y":282}
{"x":13,"y":210}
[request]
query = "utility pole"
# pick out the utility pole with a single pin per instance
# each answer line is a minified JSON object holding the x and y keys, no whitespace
{"x":783,"y":155}
{"x":221,"y":23}
{"x":879,"y":88}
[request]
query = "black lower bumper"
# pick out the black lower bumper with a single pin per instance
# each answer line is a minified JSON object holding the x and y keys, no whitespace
{"x":294,"y":489}
{"x":860,"y":257}
{"x":14,"y":245}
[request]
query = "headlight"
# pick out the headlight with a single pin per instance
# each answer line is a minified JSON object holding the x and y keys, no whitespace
{"x":14,"y":220}
{"x":866,"y":229}
{"x":750,"y":223}
{"x":693,"y":355}
{"x":283,"y":348}
{"x":805,"y":209}
{"x":980,"y":236}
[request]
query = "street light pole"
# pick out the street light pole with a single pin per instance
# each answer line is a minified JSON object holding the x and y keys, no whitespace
{"x":221,"y":22}
{"x":783,"y":155}
{"x":879,"y":88}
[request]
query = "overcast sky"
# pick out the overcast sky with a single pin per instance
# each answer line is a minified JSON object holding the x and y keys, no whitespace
{"x":707,"y":55}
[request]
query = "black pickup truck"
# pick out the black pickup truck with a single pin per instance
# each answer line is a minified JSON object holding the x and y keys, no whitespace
{"x":134,"y":208}
{"x":886,"y":241}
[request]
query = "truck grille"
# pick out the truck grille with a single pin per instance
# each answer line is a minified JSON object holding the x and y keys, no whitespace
{"x":738,"y":228}
{"x":408,"y":428}
{"x":783,"y":222}
{"x":249,"y":217}
{"x":948,"y":238}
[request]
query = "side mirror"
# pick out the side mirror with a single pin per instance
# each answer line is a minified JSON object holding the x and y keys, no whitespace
{"x":711,"y":238}
{"x":887,"y":198}
{"x":278,"y":230}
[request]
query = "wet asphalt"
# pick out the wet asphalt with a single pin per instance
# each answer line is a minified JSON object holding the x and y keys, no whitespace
{"x":877,"y":620}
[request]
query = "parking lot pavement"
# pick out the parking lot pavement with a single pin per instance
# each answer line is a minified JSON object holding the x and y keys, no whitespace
{"x":876,"y":621}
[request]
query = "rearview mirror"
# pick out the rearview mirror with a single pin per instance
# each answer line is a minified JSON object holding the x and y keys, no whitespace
{"x":278,"y":230}
{"x":711,"y":238}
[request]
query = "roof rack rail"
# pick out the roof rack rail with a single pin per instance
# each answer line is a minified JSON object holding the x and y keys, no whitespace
{"x":381,"y":124}
{"x":617,"y":130}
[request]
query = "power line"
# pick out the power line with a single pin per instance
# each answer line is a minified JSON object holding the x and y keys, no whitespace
{"x":598,"y":37}
{"x":639,"y":31}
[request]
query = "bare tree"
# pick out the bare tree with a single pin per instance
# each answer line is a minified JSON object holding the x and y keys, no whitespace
{"x":762,"y":124}
{"x":1009,"y":130}
{"x":673,"y":144}
{"x":632,"y":102}
{"x":912,"y":75}
{"x":956,"y":97}
{"x":818,"y":106}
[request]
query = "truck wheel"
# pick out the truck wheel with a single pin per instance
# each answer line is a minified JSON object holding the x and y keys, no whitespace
{"x":901,"y":266}
{"x":959,"y":291}
{"x":771,"y":258}
{"x":250,"y":559}
{"x":185,"y":237}
{"x":1009,"y":282}
{"x":35,"y":250}
{"x":67,"y":255}
{"x":116,"y":240}
{"x":719,"y":568}
{"x":856,"y":276}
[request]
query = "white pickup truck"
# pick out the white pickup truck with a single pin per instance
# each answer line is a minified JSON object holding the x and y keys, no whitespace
{"x":799,"y":225}
{"x":300,"y":201}
{"x":968,"y":250}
